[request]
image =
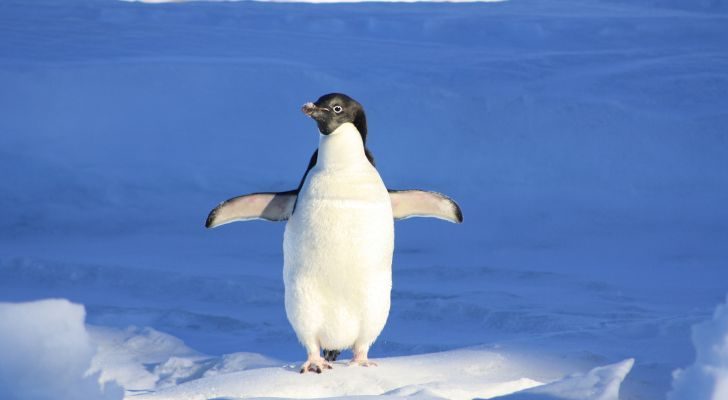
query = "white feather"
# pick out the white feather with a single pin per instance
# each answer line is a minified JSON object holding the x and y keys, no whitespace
{"x":338,"y":248}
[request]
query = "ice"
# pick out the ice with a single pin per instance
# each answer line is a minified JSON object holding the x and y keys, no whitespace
{"x":461,"y":374}
{"x":141,"y":359}
{"x":601,"y":383}
{"x":707,"y":378}
{"x":45,"y":353}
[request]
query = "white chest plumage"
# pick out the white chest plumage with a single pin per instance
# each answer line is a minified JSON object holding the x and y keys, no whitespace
{"x":338,"y":248}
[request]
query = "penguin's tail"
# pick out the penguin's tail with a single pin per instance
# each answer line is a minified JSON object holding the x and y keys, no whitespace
{"x":330,"y":355}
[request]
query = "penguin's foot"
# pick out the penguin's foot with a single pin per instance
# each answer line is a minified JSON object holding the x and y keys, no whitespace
{"x":315,"y":364}
{"x":363,"y":363}
{"x":362,"y":360}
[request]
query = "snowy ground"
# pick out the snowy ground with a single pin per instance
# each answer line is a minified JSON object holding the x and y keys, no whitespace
{"x":585,"y":141}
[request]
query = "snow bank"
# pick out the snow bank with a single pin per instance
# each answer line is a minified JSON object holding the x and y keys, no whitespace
{"x":142,"y":359}
{"x":707,"y":378}
{"x":459,"y":374}
{"x":601,"y":383}
{"x":45,"y":353}
{"x":48,"y":353}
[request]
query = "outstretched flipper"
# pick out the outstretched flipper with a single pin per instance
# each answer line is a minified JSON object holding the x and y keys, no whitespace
{"x":267,"y":206}
{"x":279,"y":207}
{"x":420,"y":203}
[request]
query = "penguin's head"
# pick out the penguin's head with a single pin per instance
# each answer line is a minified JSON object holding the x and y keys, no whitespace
{"x":333,"y":109}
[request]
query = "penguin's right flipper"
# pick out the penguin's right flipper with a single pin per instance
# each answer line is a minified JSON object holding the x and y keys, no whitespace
{"x":267,"y":206}
{"x":421,"y":203}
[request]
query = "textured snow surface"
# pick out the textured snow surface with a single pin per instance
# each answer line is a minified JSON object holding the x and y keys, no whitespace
{"x":601,"y":383}
{"x":707,"y":378}
{"x":45,"y":353}
{"x":49,"y":353}
{"x":459,"y":374}
{"x":585,"y":141}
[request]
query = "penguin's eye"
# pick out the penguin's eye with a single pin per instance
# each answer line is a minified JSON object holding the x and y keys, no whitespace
{"x":338,"y":109}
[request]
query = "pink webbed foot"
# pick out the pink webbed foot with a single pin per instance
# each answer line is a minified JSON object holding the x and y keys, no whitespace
{"x":362,"y":360}
{"x":363,"y":363}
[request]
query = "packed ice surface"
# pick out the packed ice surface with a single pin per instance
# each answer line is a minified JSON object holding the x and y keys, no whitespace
{"x":46,"y":352}
{"x":600,"y":383}
{"x":585,"y":142}
{"x":49,"y":353}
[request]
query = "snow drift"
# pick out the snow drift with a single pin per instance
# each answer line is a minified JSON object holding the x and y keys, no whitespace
{"x":48,"y":353}
{"x":458,"y":374}
{"x":45,"y":353}
{"x":707,"y":378}
{"x":144,"y":359}
{"x":601,"y":383}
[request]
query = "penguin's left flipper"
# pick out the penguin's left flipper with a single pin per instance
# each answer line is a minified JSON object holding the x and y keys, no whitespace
{"x":420,"y":203}
{"x":267,"y":206}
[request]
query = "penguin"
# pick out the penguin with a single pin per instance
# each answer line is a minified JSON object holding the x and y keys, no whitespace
{"x":339,"y":236}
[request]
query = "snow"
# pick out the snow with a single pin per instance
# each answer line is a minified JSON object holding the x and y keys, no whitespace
{"x":707,"y":378}
{"x":322,"y":1}
{"x":601,"y":383}
{"x":45,"y":353}
{"x":47,"y":342}
{"x":455,"y":375}
{"x":124,"y":357}
{"x":145,"y":359}
{"x":584,"y":140}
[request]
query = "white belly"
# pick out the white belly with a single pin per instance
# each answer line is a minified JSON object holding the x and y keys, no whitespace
{"x":337,"y":250}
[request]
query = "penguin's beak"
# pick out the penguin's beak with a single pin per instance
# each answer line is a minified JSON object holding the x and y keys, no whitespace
{"x":308,"y":109}
{"x":313,"y":111}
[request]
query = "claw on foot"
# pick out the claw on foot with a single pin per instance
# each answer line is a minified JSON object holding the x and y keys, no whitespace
{"x":316,"y":366}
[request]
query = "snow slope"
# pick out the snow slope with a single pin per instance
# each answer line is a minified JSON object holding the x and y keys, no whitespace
{"x":49,"y":353}
{"x":584,"y":140}
{"x":707,"y":378}
{"x":457,"y":375}
{"x":45,"y":353}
